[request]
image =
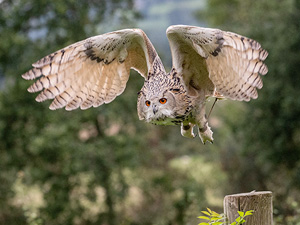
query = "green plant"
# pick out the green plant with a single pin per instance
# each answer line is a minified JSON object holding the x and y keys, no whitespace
{"x":215,"y":218}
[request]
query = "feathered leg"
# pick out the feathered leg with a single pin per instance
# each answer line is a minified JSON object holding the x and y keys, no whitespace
{"x":187,"y":130}
{"x":205,"y":132}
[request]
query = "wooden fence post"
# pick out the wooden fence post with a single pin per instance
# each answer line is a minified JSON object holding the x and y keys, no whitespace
{"x":260,"y":202}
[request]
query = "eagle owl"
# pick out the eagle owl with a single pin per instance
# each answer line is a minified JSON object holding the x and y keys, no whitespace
{"x":206,"y":62}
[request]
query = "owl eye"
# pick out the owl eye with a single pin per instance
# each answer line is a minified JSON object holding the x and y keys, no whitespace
{"x":162,"y":100}
{"x":147,"y":103}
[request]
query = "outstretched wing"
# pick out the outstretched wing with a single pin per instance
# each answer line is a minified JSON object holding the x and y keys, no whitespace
{"x":214,"y":60}
{"x":93,"y":71}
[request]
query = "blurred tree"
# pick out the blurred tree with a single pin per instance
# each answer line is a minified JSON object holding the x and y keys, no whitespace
{"x":270,"y":136}
{"x":86,"y":167}
{"x":41,"y":147}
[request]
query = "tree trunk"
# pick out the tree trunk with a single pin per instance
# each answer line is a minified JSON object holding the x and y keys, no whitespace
{"x":260,"y":202}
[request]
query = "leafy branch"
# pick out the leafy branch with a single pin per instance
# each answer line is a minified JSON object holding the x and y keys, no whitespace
{"x":214,"y":218}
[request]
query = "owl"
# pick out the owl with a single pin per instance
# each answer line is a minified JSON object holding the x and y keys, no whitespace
{"x":206,"y":63}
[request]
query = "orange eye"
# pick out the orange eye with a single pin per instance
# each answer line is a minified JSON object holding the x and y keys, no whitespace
{"x":162,"y":100}
{"x":147,"y":103}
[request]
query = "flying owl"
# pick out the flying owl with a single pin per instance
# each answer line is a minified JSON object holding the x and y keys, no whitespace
{"x":206,"y":62}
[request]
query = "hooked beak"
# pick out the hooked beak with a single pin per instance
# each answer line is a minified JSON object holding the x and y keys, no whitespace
{"x":155,"y":109}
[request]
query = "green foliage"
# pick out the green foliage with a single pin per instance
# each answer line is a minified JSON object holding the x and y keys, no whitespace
{"x":268,"y":151}
{"x":101,"y":166}
{"x":214,"y":218}
{"x":98,"y":166}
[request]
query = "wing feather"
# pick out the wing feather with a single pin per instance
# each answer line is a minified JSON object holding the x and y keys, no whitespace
{"x":234,"y":63}
{"x":93,"y":71}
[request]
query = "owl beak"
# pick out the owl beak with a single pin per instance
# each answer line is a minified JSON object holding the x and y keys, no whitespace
{"x":155,"y":109}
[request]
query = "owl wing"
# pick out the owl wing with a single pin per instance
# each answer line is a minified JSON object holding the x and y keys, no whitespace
{"x":93,"y":71}
{"x":218,"y":61}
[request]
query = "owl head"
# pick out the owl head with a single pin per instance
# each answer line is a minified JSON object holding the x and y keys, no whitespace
{"x":156,"y":107}
{"x":162,"y":102}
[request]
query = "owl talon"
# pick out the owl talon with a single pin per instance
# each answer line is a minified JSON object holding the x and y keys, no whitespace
{"x":187,"y":130}
{"x":206,"y":135}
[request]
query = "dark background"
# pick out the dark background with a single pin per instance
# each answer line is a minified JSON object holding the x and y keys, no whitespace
{"x":103,"y":165}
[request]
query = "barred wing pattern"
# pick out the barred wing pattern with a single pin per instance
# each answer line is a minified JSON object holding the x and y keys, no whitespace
{"x":233,"y":62}
{"x":93,"y":71}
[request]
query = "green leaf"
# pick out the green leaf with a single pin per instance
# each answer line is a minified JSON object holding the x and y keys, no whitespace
{"x":206,"y":213}
{"x":216,"y":218}
{"x":209,"y":210}
{"x":242,"y":221}
{"x":204,"y":217}
{"x":215,"y":214}
{"x":203,"y":224}
{"x":248,"y":213}
{"x":238,"y":219}
{"x":241,"y":213}
{"x":217,"y":223}
{"x":233,"y":223}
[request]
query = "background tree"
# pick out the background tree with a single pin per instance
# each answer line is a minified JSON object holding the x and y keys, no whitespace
{"x":270,"y":131}
{"x":97,"y":166}
{"x":47,"y":149}
{"x":100,"y":166}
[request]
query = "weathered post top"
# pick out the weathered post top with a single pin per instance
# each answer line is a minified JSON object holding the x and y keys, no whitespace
{"x":260,"y":202}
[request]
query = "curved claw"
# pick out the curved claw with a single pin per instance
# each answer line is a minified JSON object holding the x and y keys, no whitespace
{"x":187,"y":130}
{"x":206,"y":135}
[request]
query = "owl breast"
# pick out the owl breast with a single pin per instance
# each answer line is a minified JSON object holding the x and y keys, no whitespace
{"x":172,"y":121}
